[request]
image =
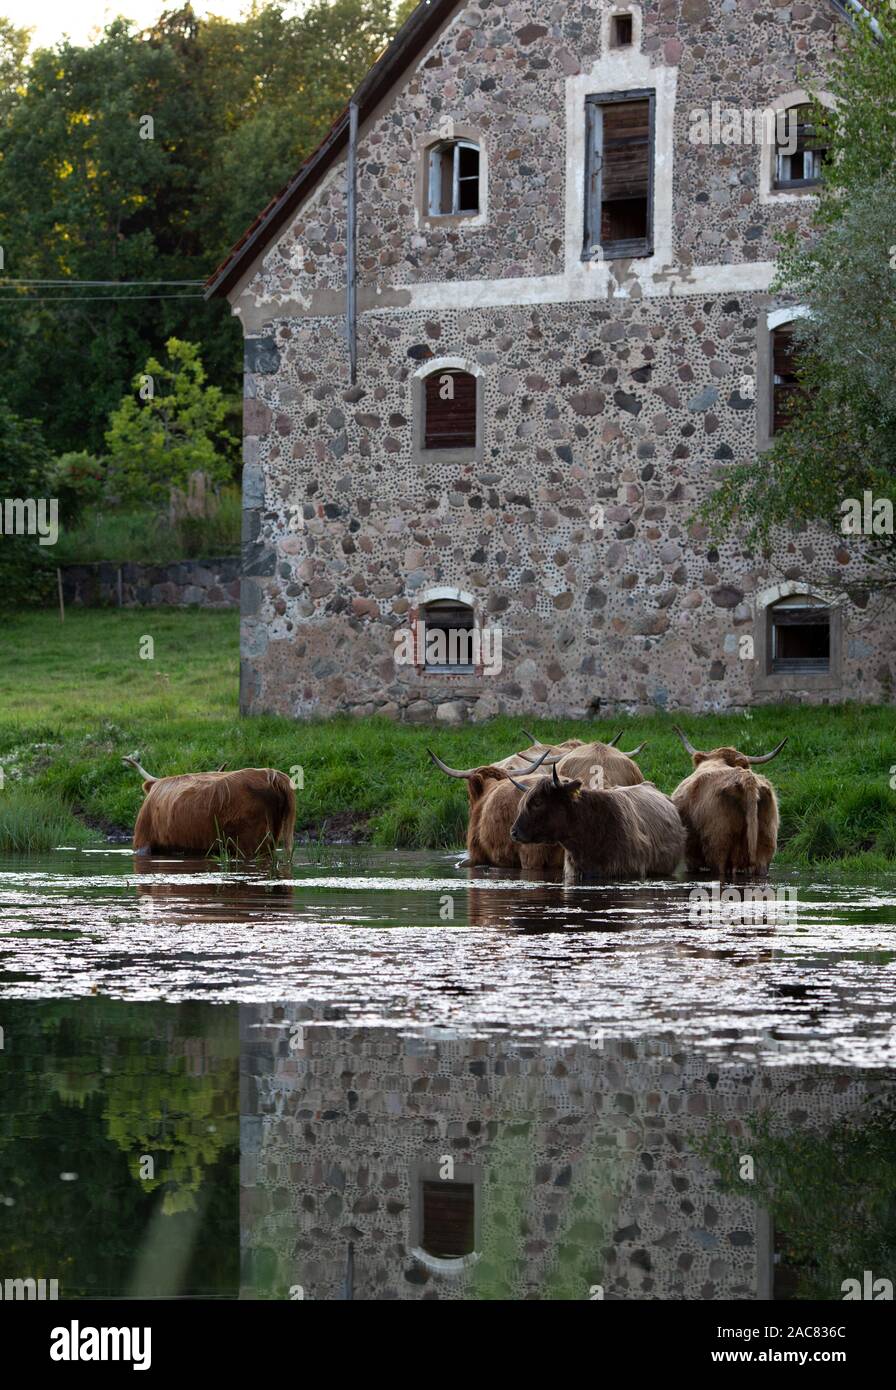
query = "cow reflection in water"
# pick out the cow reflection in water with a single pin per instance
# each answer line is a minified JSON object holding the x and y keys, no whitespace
{"x":196,"y":890}
{"x":552,"y":907}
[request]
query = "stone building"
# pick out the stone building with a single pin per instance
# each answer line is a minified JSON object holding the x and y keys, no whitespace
{"x":498,"y":1167}
{"x":565,"y":228}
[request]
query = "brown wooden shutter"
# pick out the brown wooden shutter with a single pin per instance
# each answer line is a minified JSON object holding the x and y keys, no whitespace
{"x":449,"y":1219}
{"x":450,"y":424}
{"x":786,"y":385}
{"x":625,"y":149}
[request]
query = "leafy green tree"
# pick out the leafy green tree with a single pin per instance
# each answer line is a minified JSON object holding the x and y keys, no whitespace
{"x":842,"y":438}
{"x":26,"y":569}
{"x":13,"y":54}
{"x":831,"y":1195}
{"x":89,"y":191}
{"x":170,"y":427}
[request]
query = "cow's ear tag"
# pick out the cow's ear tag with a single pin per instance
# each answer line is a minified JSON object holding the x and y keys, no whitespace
{"x":577,"y":794}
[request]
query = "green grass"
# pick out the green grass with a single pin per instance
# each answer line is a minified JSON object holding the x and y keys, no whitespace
{"x":32,"y":822}
{"x":75,"y":697}
{"x":148,"y":538}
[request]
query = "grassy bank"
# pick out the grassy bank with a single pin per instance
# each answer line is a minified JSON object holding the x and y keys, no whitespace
{"x":75,"y":697}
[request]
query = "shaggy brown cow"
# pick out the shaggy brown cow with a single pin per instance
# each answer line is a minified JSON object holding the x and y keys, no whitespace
{"x":494,"y":800}
{"x":598,"y":765}
{"x":248,"y":810}
{"x":729,"y":812}
{"x":518,"y":762}
{"x":625,"y":832}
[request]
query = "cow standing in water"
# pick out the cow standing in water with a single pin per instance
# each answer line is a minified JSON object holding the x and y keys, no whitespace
{"x":626,"y":832}
{"x":494,"y":798}
{"x":249,"y":810}
{"x":730,"y":813}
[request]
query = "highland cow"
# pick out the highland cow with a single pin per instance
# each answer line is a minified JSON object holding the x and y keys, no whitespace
{"x":248,"y":810}
{"x":729,"y":812}
{"x":623,"y":832}
{"x":494,"y":800}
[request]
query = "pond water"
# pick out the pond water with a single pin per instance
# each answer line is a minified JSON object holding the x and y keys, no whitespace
{"x":384,"y":1075}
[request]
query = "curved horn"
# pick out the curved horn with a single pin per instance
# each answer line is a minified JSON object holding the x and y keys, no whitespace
{"x":613,"y":741}
{"x":536,"y":762}
{"x":685,"y":740}
{"x":536,"y":742}
{"x":519,"y":786}
{"x":556,"y":779}
{"x":535,"y":765}
{"x":767,"y":757}
{"x":449,"y":771}
{"x":147,"y":776}
{"x":635,"y":751}
{"x":220,"y":767}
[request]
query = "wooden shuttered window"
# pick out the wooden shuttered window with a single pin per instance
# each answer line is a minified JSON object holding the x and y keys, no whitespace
{"x":450,"y":406}
{"x":449,"y":1219}
{"x":786,"y":387}
{"x":619,"y":189}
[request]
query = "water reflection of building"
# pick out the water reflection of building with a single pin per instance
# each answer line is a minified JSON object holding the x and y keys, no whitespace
{"x":499,"y":1168}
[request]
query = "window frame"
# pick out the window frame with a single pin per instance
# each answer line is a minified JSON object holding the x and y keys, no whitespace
{"x":792,"y":388}
{"x":767,"y":680}
{"x":438,"y":151}
{"x":615,"y":18}
{"x":456,"y":444}
{"x":806,"y":666}
{"x":455,"y":606}
{"x":466,"y":1174}
{"x":458,"y":454}
{"x":632,"y":248}
{"x":779,"y":185}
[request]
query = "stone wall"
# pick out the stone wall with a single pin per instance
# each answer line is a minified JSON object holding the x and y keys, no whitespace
{"x":585,"y":1159}
{"x":203,"y":583}
{"x":615,"y":394}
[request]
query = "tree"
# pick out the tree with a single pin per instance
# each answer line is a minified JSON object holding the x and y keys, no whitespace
{"x":170,"y":428}
{"x":26,"y":570}
{"x":91,"y":191}
{"x":841,"y":441}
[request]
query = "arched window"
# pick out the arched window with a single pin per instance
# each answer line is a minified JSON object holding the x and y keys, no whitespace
{"x":799,"y":154}
{"x":453,"y":189}
{"x":448,"y":1219}
{"x":445,"y":1217}
{"x":450,"y":410}
{"x":800,"y":635}
{"x":449,"y":641}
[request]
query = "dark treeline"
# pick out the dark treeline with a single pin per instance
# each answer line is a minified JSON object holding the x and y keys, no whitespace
{"x":235,"y":107}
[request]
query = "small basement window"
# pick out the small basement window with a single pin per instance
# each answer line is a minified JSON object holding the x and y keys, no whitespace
{"x":449,"y":404}
{"x":800,"y":635}
{"x":453,"y":179}
{"x":799,"y":158}
{"x":621,"y":31}
{"x":448,"y":637}
{"x":449,"y":1219}
{"x":786,"y":387}
{"x":619,"y":179}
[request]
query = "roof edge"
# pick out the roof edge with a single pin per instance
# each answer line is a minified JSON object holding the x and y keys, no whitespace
{"x":411,"y":39}
{"x":408,"y":43}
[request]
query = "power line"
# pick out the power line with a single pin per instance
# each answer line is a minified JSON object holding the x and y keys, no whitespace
{"x":22,"y":302}
{"x":6,"y":280}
